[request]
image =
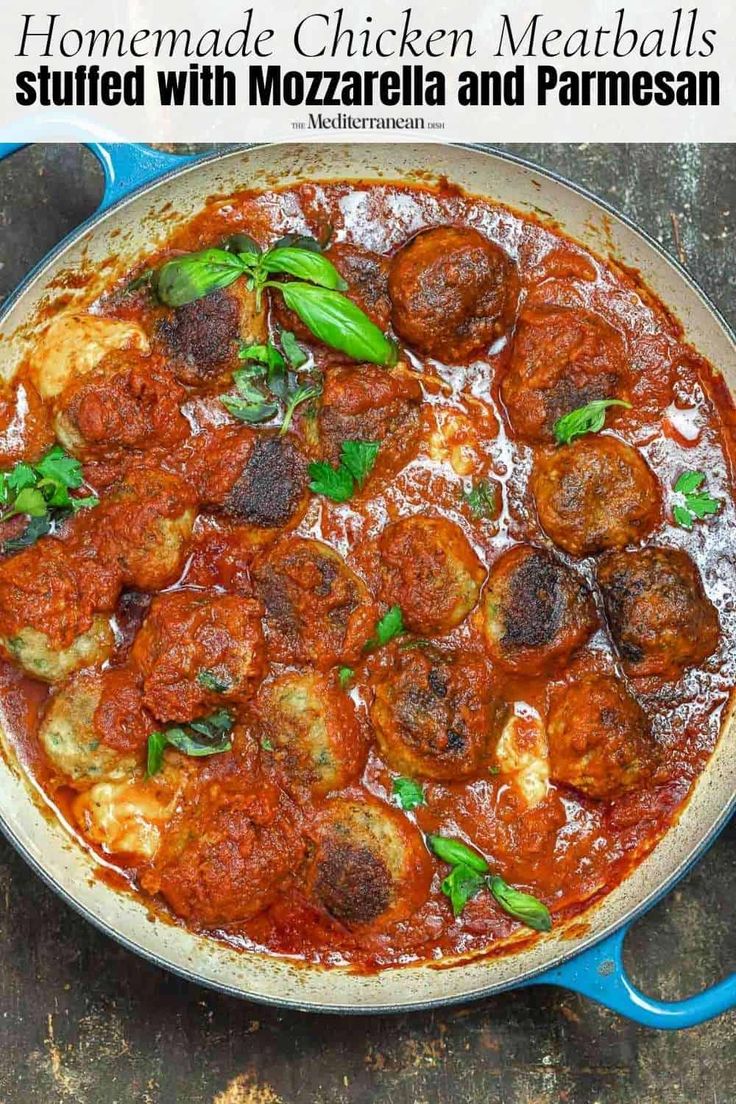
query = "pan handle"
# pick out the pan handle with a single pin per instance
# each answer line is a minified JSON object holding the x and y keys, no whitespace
{"x":126,"y":165}
{"x":599,"y":973}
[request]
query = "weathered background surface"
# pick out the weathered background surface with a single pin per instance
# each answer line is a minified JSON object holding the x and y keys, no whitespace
{"x":83,"y":1020}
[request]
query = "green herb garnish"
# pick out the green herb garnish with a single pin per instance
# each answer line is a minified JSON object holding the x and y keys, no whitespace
{"x":344,"y":675}
{"x":292,"y":349}
{"x":207,"y":736}
{"x":590,"y":418}
{"x":41,"y":492}
{"x":213,"y":682}
{"x":481,"y":499}
{"x":696,"y":503}
{"x":356,"y":462}
{"x":408,"y":793}
{"x":303,"y":393}
{"x":522,"y":906}
{"x":249,"y":404}
{"x":338,"y":322}
{"x":460,"y":885}
{"x":457,"y":853}
{"x":266,"y":743}
{"x":389,"y":626}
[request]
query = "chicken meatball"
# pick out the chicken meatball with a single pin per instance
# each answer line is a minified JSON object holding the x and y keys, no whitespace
{"x":197,"y":651}
{"x":562,"y":358}
{"x":96,"y":727}
{"x":231,"y":849}
{"x":143,"y":528}
{"x":453,"y":293}
{"x":599,"y":738}
{"x":430,"y":570}
{"x":313,"y":728}
{"x":594,"y":494}
{"x":370,"y":867}
{"x":366,"y":275}
{"x":201,"y":339}
{"x":367,"y":403}
{"x":75,"y":345}
{"x":317,"y":610}
{"x":660,"y":617}
{"x":126,"y":403}
{"x":535,"y":612}
{"x":51,"y":610}
{"x":257,"y":479}
{"x":434,"y":715}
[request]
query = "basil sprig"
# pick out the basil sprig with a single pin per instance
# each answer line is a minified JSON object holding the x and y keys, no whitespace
{"x":408,"y":793}
{"x":590,"y":418}
{"x":268,"y":375}
{"x":470,"y":873}
{"x":207,"y":736}
{"x":41,"y":492}
{"x":338,"y":322}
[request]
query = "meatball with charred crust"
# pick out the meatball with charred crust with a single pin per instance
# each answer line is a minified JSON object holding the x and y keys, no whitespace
{"x":312,"y":726}
{"x":367,"y":403}
{"x":317,"y":610}
{"x":200,"y":340}
{"x":562,"y":359}
{"x":430,"y":570}
{"x":434,"y":715}
{"x":197,"y":651}
{"x":453,"y":293}
{"x":257,"y":479}
{"x":599,"y":738}
{"x":143,"y":528}
{"x":370,"y":867}
{"x":366,"y":275}
{"x":660,"y":617}
{"x":128,"y":402}
{"x":233,"y":846}
{"x":594,"y":494}
{"x":535,"y":611}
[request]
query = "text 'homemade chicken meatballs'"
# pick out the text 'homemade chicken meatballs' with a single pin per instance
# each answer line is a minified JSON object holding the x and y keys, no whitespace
{"x":599,"y":738}
{"x":200,"y":340}
{"x":660,"y":617}
{"x":433,"y":714}
{"x":317,"y":610}
{"x":430,"y":570}
{"x":536,"y":611}
{"x":367,"y":403}
{"x":313,"y":728}
{"x":197,"y":651}
{"x":453,"y":293}
{"x":370,"y":867}
{"x":562,"y":359}
{"x":595,"y":494}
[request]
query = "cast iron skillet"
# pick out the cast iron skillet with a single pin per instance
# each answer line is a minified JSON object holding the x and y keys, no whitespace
{"x":585,"y":957}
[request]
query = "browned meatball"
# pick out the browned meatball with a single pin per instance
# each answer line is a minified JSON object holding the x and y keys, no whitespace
{"x":317,"y":610}
{"x":594,"y":494}
{"x":129,"y":402}
{"x":453,"y":293}
{"x":313,"y":729}
{"x":599,"y":738}
{"x":257,"y":478}
{"x":536,"y":611}
{"x":233,"y":845}
{"x":562,"y":359}
{"x":366,"y":403}
{"x":370,"y":867}
{"x":430,"y":570}
{"x":201,"y":339}
{"x":366,"y":275}
{"x":660,"y":617}
{"x":434,"y":715}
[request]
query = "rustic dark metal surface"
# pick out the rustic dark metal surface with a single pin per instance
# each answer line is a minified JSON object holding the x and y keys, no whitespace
{"x":83,"y":1020}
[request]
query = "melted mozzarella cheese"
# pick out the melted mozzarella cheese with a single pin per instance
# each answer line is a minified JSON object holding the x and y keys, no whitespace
{"x":74,"y":344}
{"x":523,"y":755}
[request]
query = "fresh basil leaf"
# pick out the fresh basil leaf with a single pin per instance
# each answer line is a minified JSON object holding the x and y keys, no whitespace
{"x":210,"y":681}
{"x":702,"y":505}
{"x":408,"y":792}
{"x":305,"y":265}
{"x":219,"y":722}
{"x":155,"y":753}
{"x":37,"y":527}
{"x":338,"y":322}
{"x":88,"y":502}
{"x":194,"y":746}
{"x":586,"y":419}
{"x":522,"y":906}
{"x":207,"y":736}
{"x":30,"y":501}
{"x":481,"y":499}
{"x":274,"y":363}
{"x":298,"y":241}
{"x":184,"y":279}
{"x":689,"y":481}
{"x":683,"y":517}
{"x":292,"y":349}
{"x":457,"y":853}
{"x":302,"y":394}
{"x":248,"y":410}
{"x":389,"y":626}
{"x":359,"y":457}
{"x":334,"y":483}
{"x":58,"y":466}
{"x":460,"y":885}
{"x":241,"y":243}
{"x":344,"y":676}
